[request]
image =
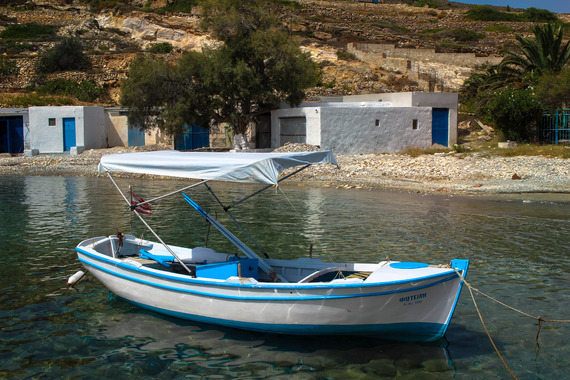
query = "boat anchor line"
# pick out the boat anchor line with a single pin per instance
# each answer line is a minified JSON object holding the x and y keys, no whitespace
{"x":539,"y":318}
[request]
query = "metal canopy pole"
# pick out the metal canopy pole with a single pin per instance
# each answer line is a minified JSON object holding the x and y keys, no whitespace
{"x":149,"y":228}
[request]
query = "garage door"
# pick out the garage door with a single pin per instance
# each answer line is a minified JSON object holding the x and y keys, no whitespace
{"x":11,"y":134}
{"x":293,"y":130}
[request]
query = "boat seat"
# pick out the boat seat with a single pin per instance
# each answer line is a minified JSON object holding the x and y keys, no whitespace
{"x":162,"y":260}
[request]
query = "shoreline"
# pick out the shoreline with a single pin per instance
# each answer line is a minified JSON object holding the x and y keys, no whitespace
{"x":447,"y":173}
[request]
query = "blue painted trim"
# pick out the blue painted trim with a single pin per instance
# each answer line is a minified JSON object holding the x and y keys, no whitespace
{"x":397,"y":331}
{"x":254,"y":298}
{"x":292,"y":286}
{"x":408,"y":265}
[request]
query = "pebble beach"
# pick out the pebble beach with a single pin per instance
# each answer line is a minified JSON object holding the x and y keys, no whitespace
{"x":440,"y":173}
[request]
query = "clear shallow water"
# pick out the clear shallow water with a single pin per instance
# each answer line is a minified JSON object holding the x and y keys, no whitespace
{"x":518,"y":251}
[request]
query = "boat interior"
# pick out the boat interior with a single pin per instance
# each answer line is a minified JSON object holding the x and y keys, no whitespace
{"x":207,"y":263}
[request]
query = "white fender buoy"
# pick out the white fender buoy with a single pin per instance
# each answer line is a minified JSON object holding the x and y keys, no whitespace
{"x":75,"y":278}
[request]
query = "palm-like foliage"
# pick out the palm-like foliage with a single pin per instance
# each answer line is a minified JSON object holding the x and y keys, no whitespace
{"x":543,"y":54}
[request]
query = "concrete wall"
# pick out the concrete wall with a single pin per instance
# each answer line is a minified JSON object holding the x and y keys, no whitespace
{"x":117,"y":129}
{"x":440,"y":100}
{"x":94,"y":133}
{"x":375,"y":130}
{"x":312,"y":115}
{"x":430,"y":69}
{"x":354,"y":128}
{"x":413,"y":99}
{"x":89,"y":127}
{"x":116,"y":125}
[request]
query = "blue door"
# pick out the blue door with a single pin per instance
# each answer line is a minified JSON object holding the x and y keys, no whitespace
{"x":440,"y":126}
{"x":194,"y":137}
{"x":136,"y":136}
{"x":68,"y":133}
{"x":11,"y":134}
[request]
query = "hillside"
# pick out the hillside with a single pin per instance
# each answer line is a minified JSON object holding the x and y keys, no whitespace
{"x":362,"y":47}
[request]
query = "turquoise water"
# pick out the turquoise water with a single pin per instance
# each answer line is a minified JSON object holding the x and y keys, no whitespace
{"x":518,"y":247}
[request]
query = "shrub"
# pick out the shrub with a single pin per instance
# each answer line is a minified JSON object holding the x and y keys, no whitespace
{"x":484,"y":13}
{"x":539,"y":15}
{"x":515,"y":113}
{"x":8,"y":67}
{"x":67,"y":55}
{"x":429,"y":3}
{"x":464,"y":35}
{"x":160,"y":48}
{"x":344,"y":55}
{"x":86,"y":91}
{"x":184,"y":6}
{"x":30,"y":30}
{"x":290,"y":4}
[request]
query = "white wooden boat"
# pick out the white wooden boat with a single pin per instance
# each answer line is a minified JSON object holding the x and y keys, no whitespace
{"x":307,"y":296}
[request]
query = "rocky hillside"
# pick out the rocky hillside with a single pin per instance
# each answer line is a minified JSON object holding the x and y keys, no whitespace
{"x":363,"y":47}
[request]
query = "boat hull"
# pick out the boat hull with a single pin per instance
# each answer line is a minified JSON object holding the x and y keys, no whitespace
{"x":418,"y":309}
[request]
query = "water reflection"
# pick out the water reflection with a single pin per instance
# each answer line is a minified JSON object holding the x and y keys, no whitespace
{"x":517,"y":250}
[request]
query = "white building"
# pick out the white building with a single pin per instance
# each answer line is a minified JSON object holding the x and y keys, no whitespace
{"x":14,"y":130}
{"x":68,"y":128}
{"x":379,"y":123}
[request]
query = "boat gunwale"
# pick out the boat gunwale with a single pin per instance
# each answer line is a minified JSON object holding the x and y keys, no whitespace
{"x":444,"y":277}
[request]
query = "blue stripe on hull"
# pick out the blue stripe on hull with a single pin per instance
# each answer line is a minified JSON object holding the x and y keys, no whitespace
{"x":416,"y":332}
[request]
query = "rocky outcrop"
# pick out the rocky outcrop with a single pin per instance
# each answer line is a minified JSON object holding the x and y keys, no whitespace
{"x":409,"y":60}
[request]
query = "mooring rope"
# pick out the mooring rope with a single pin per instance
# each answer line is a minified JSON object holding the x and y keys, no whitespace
{"x":539,"y":318}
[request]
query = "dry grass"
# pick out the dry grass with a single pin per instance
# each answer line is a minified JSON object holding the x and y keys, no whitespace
{"x":491,"y":149}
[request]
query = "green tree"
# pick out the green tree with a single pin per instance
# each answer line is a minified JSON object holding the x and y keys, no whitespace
{"x":532,"y":63}
{"x":256,"y":66}
{"x":545,"y":53}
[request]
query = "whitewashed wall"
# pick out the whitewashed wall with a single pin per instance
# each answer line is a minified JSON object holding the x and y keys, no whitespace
{"x":93,"y":124}
{"x":375,"y":130}
{"x":89,"y":127}
{"x":351,"y":128}
{"x":447,"y":100}
{"x":312,"y":115}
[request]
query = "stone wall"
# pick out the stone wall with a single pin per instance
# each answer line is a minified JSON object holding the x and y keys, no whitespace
{"x":433,"y":71}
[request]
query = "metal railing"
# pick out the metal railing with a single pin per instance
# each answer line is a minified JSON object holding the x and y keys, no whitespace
{"x":554,"y":127}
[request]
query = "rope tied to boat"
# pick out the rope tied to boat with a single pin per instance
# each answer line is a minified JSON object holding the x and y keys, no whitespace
{"x":539,"y":318}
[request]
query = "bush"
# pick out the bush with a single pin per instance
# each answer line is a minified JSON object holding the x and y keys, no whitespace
{"x":515,"y":113}
{"x":429,"y":3}
{"x":484,"y":13}
{"x":8,"y":67}
{"x":67,"y":55}
{"x":160,"y":48}
{"x":86,"y":91}
{"x":539,"y":15}
{"x":463,"y":35}
{"x":184,"y":6}
{"x":346,"y":56}
{"x":30,"y":30}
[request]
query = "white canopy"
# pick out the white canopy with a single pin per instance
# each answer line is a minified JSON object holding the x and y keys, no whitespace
{"x":234,"y":167}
